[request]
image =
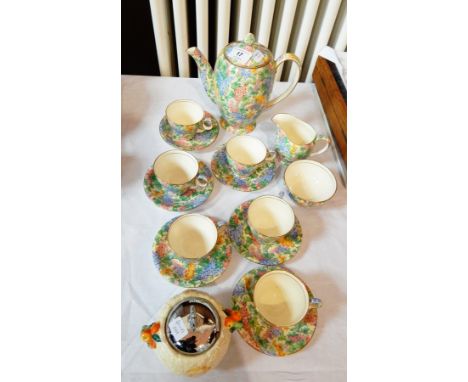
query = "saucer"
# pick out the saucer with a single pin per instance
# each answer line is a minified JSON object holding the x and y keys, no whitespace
{"x":268,"y":339}
{"x":191,"y":273}
{"x":271,"y":253}
{"x":172,"y":201}
{"x":259,"y":179}
{"x":200,"y":141}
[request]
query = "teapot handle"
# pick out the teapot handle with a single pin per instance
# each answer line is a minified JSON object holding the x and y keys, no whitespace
{"x":281,"y":60}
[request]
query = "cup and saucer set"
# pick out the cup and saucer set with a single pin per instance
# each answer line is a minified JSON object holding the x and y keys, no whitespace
{"x":177,"y":181}
{"x":244,"y":163}
{"x":273,"y":310}
{"x":265,"y":230}
{"x":187,"y":126}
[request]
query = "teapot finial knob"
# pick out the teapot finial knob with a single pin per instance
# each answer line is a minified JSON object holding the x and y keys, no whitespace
{"x":249,"y":39}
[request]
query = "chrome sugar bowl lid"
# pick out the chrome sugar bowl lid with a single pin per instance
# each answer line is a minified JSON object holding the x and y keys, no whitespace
{"x":193,"y":326}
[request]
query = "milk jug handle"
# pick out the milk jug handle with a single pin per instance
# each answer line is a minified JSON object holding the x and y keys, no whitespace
{"x":281,"y":60}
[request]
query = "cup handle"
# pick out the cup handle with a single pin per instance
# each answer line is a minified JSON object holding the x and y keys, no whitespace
{"x":271,"y":156}
{"x":316,"y":302}
{"x":207,"y":124}
{"x":149,"y":334}
{"x":201,"y":181}
{"x":324,"y":148}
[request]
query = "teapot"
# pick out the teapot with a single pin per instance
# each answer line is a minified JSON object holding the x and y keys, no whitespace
{"x":242,"y":81}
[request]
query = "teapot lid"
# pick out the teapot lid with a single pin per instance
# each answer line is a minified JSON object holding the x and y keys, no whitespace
{"x":193,"y":326}
{"x":247,"y":53}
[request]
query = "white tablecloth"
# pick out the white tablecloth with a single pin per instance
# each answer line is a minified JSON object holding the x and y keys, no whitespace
{"x":321,"y":261}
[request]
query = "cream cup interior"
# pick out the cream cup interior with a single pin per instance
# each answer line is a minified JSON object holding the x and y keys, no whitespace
{"x":192,"y":236}
{"x":296,"y":130}
{"x":310,"y":180}
{"x":175,"y":167}
{"x":270,"y":216}
{"x":246,"y":150}
{"x":281,"y":298}
{"x":184,"y":112}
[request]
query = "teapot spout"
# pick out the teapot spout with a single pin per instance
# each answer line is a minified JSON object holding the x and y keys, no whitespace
{"x":205,"y":71}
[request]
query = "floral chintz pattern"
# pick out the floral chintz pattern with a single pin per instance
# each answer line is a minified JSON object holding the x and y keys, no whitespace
{"x":242,"y":81}
{"x":288,"y":150}
{"x":258,"y":179}
{"x":259,"y":333}
{"x":191,"y":197}
{"x":302,"y":202}
{"x":242,"y":93}
{"x":178,"y":138}
{"x":272,"y":252}
{"x":244,"y":170}
{"x":190,"y":273}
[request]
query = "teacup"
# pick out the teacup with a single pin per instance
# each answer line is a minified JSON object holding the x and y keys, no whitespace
{"x":192,"y":236}
{"x":245,"y":154}
{"x":296,"y":138}
{"x":309,"y":183}
{"x":178,"y":170}
{"x":282,"y":299}
{"x":186,"y":119}
{"x":270,"y":218}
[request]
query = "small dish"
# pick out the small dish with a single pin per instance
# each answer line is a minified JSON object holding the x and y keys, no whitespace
{"x":192,"y":273}
{"x":257,"y":180}
{"x":266,"y":253}
{"x":191,"y":198}
{"x":263,"y":336}
{"x":200,"y":141}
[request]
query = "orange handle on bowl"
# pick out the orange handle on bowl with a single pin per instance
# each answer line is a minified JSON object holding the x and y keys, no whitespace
{"x":149,"y":334}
